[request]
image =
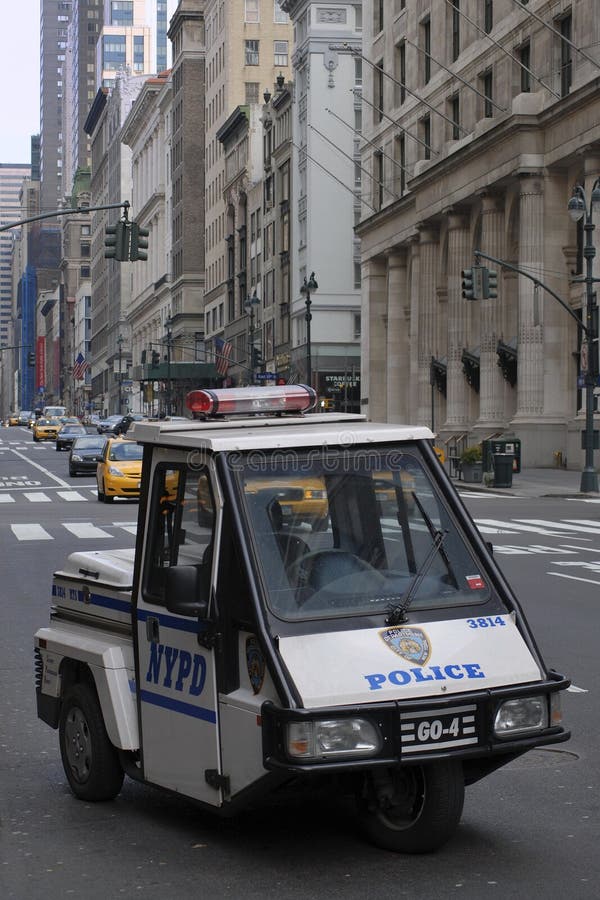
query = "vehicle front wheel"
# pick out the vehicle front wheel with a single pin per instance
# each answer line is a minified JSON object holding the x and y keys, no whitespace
{"x":90,"y":761}
{"x":412,"y":809}
{"x":101,"y":495}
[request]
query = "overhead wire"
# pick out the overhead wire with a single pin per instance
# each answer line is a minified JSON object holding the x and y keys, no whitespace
{"x":354,"y":162}
{"x":359,"y":197}
{"x":368,"y":141}
{"x":503,"y":49}
{"x":557,"y":33}
{"x":414,"y":137}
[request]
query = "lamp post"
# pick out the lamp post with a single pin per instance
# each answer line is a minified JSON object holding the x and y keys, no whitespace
{"x":249,"y":304}
{"x":578,"y":210}
{"x":306,"y":289}
{"x":168,"y":326}
{"x":120,"y":343}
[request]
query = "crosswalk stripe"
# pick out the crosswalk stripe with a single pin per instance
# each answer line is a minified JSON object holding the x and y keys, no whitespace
{"x":6,"y":498}
{"x":538,"y":529}
{"x":32,"y":532}
{"x":39,"y":497}
{"x":86,"y":530}
{"x":563,"y":526}
{"x":71,"y":496}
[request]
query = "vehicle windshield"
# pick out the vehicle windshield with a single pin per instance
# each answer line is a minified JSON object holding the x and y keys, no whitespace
{"x":342,"y":533}
{"x":89,"y":443}
{"x":125,"y":451}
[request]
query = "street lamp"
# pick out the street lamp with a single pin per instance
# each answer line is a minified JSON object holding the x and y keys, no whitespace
{"x":306,"y":289}
{"x":168,"y":326}
{"x":578,"y":210}
{"x":120,"y":343}
{"x":249,"y":304}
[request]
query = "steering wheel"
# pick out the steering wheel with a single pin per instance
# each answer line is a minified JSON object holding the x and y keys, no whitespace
{"x":314,"y":570}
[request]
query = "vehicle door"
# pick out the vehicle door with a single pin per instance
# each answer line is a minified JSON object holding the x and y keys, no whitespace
{"x":176,"y":678}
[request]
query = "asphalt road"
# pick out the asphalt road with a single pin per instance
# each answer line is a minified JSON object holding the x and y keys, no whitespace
{"x":529,"y":830}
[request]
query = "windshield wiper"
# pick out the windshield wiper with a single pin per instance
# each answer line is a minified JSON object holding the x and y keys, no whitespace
{"x":397,"y":612}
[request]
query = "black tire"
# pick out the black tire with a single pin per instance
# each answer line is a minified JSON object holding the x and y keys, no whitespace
{"x":101,"y":496}
{"x":72,"y":473}
{"x":90,"y":761}
{"x":429,"y":805}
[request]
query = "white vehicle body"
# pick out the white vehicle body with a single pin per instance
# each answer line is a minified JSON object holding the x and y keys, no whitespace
{"x":236,"y":650}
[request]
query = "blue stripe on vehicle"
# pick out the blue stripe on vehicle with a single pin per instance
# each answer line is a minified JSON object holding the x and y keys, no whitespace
{"x":186,"y":709}
{"x":190,"y":625}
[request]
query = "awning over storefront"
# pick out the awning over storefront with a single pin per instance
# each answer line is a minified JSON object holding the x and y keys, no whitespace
{"x":439,"y":369}
{"x":471,"y":367}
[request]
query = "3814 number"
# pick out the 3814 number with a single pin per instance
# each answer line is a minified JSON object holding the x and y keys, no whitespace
{"x":486,"y":622}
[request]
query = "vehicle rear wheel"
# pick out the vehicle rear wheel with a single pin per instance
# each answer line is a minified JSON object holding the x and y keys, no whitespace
{"x":90,"y":761}
{"x":412,"y":809}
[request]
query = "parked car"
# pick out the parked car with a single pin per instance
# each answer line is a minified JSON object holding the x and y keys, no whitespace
{"x":85,"y":453}
{"x":46,"y":429}
{"x":119,"y":470}
{"x":67,"y":434}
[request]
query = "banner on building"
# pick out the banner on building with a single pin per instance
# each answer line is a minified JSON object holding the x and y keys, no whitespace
{"x":40,"y":363}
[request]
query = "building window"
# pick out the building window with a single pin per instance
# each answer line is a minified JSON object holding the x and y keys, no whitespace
{"x":455,"y":29}
{"x":566,"y":61}
{"x":378,"y":16}
{"x":488,"y":15}
{"x":138,"y":53}
{"x":113,"y":51}
{"x":252,"y":11}
{"x":454,"y":105}
{"x":279,"y":16}
{"x":357,"y":71}
{"x":525,"y":60}
{"x":487,"y":85}
{"x":280,"y":53}
{"x":252,"y":89}
{"x":400,"y":73}
{"x":357,"y":327}
{"x":426,"y":44}
{"x":121,"y":12}
{"x":425,"y":129}
{"x":378,"y":179}
{"x":378,"y":90}
{"x":400,"y":160}
{"x":251,"y":58}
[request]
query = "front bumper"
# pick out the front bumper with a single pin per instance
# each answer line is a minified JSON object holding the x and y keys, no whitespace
{"x":123,"y":487}
{"x":398,"y":721}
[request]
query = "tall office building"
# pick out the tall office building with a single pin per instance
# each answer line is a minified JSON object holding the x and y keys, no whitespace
{"x":133,"y":38}
{"x":11,"y":185}
{"x":248,"y":45}
{"x":55,"y":16}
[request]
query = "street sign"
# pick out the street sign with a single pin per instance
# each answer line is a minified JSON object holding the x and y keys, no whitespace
{"x":265,"y":376}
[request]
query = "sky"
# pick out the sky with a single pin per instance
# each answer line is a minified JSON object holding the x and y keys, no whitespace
{"x":20,"y":75}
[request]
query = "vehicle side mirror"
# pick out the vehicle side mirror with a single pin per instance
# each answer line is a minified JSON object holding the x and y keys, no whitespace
{"x":183,"y":592}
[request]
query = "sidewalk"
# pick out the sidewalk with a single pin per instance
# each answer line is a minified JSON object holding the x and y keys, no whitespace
{"x":536,"y":483}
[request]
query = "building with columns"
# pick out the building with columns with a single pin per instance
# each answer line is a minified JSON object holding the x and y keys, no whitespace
{"x":480,"y":118}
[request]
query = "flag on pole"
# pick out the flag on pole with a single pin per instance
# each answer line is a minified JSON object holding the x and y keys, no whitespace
{"x":222,"y":355}
{"x":80,"y":367}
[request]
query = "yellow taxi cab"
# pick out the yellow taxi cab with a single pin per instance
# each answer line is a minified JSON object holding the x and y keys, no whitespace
{"x":119,"y":470}
{"x":13,"y":419}
{"x":46,"y":429}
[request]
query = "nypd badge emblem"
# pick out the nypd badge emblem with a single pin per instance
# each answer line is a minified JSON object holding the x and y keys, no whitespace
{"x":412,"y":644}
{"x":255,"y":663}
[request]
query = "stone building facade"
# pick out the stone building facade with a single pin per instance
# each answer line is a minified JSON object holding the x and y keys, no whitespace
{"x":480,"y":118}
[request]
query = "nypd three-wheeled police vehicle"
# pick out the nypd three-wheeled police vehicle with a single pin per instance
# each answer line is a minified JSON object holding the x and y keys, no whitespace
{"x":308,"y":599}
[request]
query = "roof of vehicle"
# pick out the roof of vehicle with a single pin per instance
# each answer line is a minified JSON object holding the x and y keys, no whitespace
{"x":313,"y":430}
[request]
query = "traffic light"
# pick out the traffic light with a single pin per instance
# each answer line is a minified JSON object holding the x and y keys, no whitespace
{"x":490,"y":284}
{"x":116,"y":242}
{"x":472,"y":283}
{"x":257,"y":357}
{"x":31,"y":358}
{"x":155,"y":358}
{"x":138,"y":243}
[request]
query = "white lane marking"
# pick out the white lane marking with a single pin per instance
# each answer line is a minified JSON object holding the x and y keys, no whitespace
{"x":573,"y":689}
{"x":6,"y":498}
{"x":582,"y":528}
{"x":593,"y":522}
{"x":494,"y":523}
{"x":132,"y":529}
{"x":86,"y":530}
{"x":573,"y":577}
{"x":583,"y":499}
{"x":30,"y":462}
{"x":488,"y":529}
{"x":38,"y":498}
{"x":72,"y":496}
{"x":31,"y":533}
{"x":578,"y":547}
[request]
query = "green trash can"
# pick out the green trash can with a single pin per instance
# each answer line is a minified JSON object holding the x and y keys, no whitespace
{"x":503,"y":469}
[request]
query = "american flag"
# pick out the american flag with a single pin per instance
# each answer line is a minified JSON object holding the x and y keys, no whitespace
{"x":222,"y":355}
{"x":80,"y":367}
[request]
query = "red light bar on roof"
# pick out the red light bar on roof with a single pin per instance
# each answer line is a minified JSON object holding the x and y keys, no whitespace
{"x":252,"y":400}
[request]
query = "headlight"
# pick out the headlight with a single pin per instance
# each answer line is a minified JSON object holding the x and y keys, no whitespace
{"x":76,"y":457}
{"x":332,"y":738}
{"x":114,"y":470}
{"x":310,"y":494}
{"x":523,"y":716}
